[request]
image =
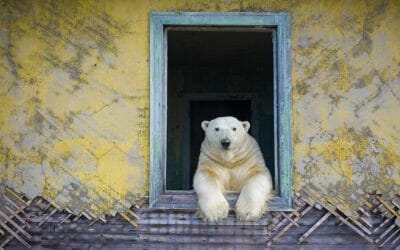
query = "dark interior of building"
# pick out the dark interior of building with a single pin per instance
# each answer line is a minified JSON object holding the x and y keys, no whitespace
{"x":216,"y":72}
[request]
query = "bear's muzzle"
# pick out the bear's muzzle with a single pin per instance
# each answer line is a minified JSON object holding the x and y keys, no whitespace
{"x":225,"y":143}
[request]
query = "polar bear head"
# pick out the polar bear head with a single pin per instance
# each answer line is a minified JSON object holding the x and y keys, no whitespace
{"x":225,"y":133}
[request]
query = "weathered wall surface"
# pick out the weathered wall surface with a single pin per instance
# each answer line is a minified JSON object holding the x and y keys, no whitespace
{"x":74,"y":102}
{"x":74,"y":97}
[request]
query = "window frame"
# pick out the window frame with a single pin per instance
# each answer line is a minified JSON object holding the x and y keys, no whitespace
{"x":159,"y":197}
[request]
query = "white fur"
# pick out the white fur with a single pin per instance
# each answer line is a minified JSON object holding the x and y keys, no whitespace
{"x":239,"y":168}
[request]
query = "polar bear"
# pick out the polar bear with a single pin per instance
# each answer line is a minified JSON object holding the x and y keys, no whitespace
{"x":231,"y":160}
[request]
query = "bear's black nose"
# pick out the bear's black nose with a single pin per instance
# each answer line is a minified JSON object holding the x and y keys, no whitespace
{"x":225,"y":143}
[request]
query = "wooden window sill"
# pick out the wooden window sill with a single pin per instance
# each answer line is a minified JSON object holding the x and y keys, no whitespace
{"x":187,"y":200}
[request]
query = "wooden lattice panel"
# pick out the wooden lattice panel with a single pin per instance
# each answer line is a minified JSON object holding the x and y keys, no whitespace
{"x":13,"y":223}
{"x":390,"y":210}
{"x":31,"y":222}
{"x":15,"y":219}
{"x":385,"y":231}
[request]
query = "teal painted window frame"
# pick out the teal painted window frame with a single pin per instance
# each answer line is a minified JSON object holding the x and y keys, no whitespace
{"x":159,"y":197}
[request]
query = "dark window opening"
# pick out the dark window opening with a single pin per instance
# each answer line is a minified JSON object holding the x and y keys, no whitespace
{"x":216,"y":72}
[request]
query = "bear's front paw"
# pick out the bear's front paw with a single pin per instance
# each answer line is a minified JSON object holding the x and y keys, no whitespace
{"x":249,"y":210}
{"x":213,"y":209}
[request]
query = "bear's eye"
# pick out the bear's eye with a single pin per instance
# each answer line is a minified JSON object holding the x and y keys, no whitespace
{"x":216,"y":129}
{"x":234,"y":129}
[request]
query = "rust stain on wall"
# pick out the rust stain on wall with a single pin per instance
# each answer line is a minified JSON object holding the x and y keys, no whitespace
{"x":74,"y":97}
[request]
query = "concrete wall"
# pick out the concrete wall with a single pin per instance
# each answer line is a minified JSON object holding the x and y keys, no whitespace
{"x":74,"y":97}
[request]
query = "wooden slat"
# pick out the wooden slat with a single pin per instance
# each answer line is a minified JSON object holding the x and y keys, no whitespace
{"x":8,"y":229}
{"x":48,"y":216}
{"x":387,"y":231}
{"x":382,"y":225}
{"x":389,"y":208}
{"x":389,"y":237}
{"x":90,"y":224}
{"x":314,"y":227}
{"x":284,"y":220}
{"x":11,"y":237}
{"x":288,"y":226}
{"x":19,"y":198}
{"x":18,"y":208}
{"x":14,"y":214}
{"x":133,"y":223}
{"x":345,"y":221}
{"x":9,"y":220}
{"x":63,"y":220}
{"x":397,"y":239}
{"x":289,"y":218}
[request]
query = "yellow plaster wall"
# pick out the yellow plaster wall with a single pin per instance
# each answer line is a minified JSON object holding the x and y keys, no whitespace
{"x":74,"y":97}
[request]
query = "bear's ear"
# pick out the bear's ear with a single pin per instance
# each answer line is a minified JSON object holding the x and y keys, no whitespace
{"x":204,"y":125}
{"x":246,"y":125}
